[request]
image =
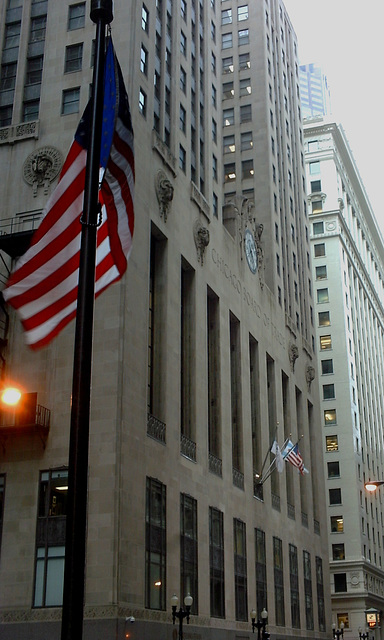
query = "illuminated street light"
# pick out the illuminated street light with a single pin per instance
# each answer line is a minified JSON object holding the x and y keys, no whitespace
{"x":181,"y":614}
{"x":10,"y":396}
{"x":372,"y":485}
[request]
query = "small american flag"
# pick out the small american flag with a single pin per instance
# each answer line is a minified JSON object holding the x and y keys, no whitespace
{"x":43,"y":286}
{"x":292,"y":454}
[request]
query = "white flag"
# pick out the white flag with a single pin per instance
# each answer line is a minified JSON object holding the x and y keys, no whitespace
{"x":279,"y":458}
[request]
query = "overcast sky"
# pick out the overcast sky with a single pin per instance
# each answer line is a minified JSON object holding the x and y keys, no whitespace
{"x":346,"y":38}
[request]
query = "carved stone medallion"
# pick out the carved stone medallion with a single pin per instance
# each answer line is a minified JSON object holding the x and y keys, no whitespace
{"x":42,"y":167}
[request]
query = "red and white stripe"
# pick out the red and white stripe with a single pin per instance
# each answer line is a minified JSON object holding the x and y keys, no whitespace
{"x":43,"y":287}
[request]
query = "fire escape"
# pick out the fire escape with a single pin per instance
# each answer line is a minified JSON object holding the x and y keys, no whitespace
{"x":28,"y":416}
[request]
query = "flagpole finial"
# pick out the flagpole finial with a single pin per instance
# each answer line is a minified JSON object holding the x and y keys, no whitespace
{"x":101,"y":10}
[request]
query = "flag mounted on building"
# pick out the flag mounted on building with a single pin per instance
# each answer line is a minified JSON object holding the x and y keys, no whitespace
{"x":292,"y":454}
{"x":43,"y":286}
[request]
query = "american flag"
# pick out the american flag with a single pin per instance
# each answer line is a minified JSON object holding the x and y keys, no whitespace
{"x":43,"y":286}
{"x":292,"y":454}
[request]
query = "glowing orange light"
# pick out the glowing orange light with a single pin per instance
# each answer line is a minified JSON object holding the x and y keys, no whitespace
{"x":10,"y":396}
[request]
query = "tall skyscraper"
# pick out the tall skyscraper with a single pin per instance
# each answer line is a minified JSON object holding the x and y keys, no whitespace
{"x":203,"y":354}
{"x":314,"y":91}
{"x":348,"y":268}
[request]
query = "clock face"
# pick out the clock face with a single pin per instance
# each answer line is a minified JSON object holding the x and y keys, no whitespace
{"x":250,"y":250}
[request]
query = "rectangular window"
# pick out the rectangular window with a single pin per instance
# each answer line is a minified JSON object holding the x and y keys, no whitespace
{"x":246,"y":141}
{"x":8,"y":76}
{"x":330,"y":417}
{"x":322,"y":295}
{"x":226,"y":16}
{"x":337,"y":524}
{"x":226,"y":41}
{"x":324,"y":318}
{"x":245,"y":87}
{"x":182,"y":158}
{"x":247,"y":169}
{"x":335,"y":496}
{"x":326,"y":367}
{"x":187,"y":325}
{"x":76,"y":16}
{"x":228,"y":117}
{"x":242,"y":13}
{"x":308,"y":590}
{"x":142,"y":103}
{"x":73,"y":58}
{"x":155,"y":544}
{"x":319,"y":250}
{"x":244,"y":61}
{"x":261,"y":570}
{"x":228,"y":90}
{"x":144,"y":18}
{"x":34,"y":71}
{"x":240,"y":564}
{"x":229,"y":144}
{"x":216,"y":563}
{"x":321,"y":272}
{"x":314,"y":168}
{"x":328,"y":391}
{"x":213,"y":363}
{"x":235,"y":390}
{"x":338,"y":552}
{"x":38,"y":27}
{"x":243,"y":37}
{"x":317,"y":206}
{"x":31,"y":110}
{"x":12,"y":35}
{"x":183,"y":117}
{"x":70,"y":101}
{"x":228,"y":65}
{"x":188,"y":550}
{"x":294,"y":586}
{"x":340,"y":581}
{"x":318,"y":227}
{"x":320,"y":593}
{"x":144,"y":60}
{"x":331,"y":443}
{"x":325,"y":343}
{"x":333,"y":469}
{"x":50,"y":534}
{"x":229,"y":172}
{"x":246,"y":113}
{"x":278,"y":581}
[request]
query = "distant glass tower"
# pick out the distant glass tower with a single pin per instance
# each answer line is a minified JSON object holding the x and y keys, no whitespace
{"x":314,"y":91}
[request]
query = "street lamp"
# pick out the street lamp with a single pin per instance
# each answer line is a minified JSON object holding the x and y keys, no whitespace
{"x":10,"y":396}
{"x":363,"y":636}
{"x":372,"y":485}
{"x":260,"y":624}
{"x":338,"y":632}
{"x":181,"y":613}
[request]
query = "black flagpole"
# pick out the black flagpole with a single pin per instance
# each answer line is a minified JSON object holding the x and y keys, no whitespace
{"x":76,"y":521}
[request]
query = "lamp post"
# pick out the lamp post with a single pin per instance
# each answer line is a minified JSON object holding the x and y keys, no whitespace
{"x":260,"y":624}
{"x":363,"y":636}
{"x":338,"y":632}
{"x":372,"y":485}
{"x":181,"y":613}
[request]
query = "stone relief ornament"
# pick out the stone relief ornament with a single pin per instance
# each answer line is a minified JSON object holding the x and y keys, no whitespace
{"x":164,"y":192}
{"x":293,"y":353}
{"x":42,"y":167}
{"x":310,"y":375}
{"x":201,"y":236}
